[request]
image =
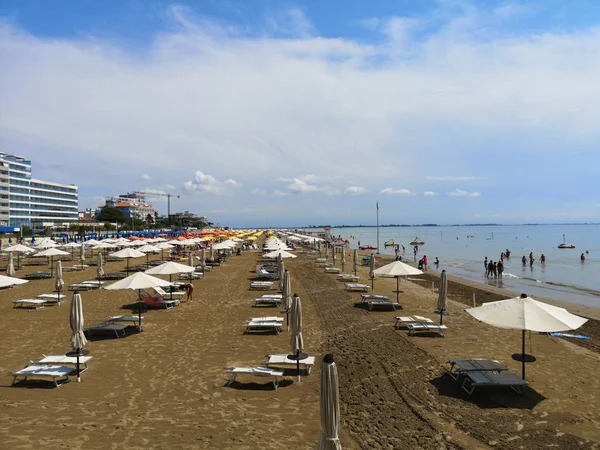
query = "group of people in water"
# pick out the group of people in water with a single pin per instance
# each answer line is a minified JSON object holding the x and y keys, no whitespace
{"x":494,"y":269}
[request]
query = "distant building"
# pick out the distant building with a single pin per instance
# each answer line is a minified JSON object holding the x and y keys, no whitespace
{"x":187,"y":218}
{"x":132,"y":205}
{"x":26,"y":201}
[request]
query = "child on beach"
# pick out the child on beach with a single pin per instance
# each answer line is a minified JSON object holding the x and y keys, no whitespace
{"x":189,"y":291}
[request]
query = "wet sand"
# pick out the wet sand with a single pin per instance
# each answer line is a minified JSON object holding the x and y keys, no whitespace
{"x":166,"y":386}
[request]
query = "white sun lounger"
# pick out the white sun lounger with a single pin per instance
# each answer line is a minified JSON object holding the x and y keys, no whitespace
{"x":265,"y":319}
{"x":321,"y":260}
{"x":355,"y":287}
{"x":266,"y":285}
{"x":256,"y":371}
{"x":476,"y":379}
{"x":52,"y":298}
{"x":426,"y":327}
{"x":63,"y":360}
{"x":382,"y":304}
{"x":135,"y":319}
{"x":29,"y":303}
{"x":332,"y":270}
{"x":168,"y":296}
{"x":273,"y":301}
{"x":403,"y":321}
{"x":58,"y":374}
{"x":282,"y":361}
{"x":264,"y":326}
{"x":367,"y":297}
{"x":195,"y":276}
{"x":347,"y":277}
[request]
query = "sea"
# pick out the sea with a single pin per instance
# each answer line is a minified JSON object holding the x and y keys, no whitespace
{"x":462,"y":250}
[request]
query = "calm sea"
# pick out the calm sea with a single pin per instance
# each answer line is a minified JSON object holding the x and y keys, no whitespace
{"x":462,"y":249}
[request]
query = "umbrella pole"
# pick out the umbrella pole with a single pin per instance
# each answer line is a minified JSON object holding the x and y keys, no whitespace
{"x":523,"y":354}
{"x":298,"y":365}
{"x":78,"y":374}
{"x":397,"y":288}
{"x":51,"y":266}
{"x":170,"y":287}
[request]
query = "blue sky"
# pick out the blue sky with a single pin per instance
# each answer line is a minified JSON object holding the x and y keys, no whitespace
{"x":299,"y":113}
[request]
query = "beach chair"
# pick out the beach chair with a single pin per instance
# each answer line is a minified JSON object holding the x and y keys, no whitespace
{"x":283,"y":362}
{"x":475,"y":379}
{"x":58,"y":374}
{"x":265,"y":319}
{"x":420,"y":327}
{"x":86,"y":285}
{"x":106,"y":328}
{"x":194,"y":276}
{"x":274,"y":326}
{"x":347,"y":277}
{"x":29,"y":303}
{"x":63,"y":360}
{"x":332,"y":270}
{"x":404,"y":321}
{"x":366,"y":297}
{"x":460,"y":367}
{"x":255,"y":371}
{"x":134,"y":319}
{"x":52,"y":298}
{"x":39,"y":275}
{"x":159,"y":302}
{"x":382,"y":304}
{"x":171,"y":295}
{"x":261,"y":285}
{"x":271,"y":301}
{"x":261,"y":272}
{"x":114,"y":276}
{"x":355,"y":287}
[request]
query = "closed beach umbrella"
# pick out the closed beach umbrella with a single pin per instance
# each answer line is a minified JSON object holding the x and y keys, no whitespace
{"x":287,"y":296}
{"x":343,"y":259}
{"x":330,"y":406}
{"x":191,"y":264}
{"x":524,"y":313}
{"x":280,"y":270}
{"x":211,"y":253}
{"x":82,"y":254}
{"x":202,"y":258}
{"x":372,"y":270}
{"x":355,"y":260}
{"x":99,"y":266}
{"x":333,"y":254}
{"x":297,"y":341}
{"x":10,"y":269}
{"x":78,"y":339}
{"x":442,"y":303}
{"x":326,"y":250}
{"x":59,"y":278}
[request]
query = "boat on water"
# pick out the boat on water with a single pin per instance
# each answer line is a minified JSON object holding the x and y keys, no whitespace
{"x":417,"y":241}
{"x":565,"y":245}
{"x":389,"y":243}
{"x":367,"y":247}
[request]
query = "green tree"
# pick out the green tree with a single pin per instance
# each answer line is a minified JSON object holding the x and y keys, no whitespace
{"x":110,"y":214}
{"x":109,"y":226}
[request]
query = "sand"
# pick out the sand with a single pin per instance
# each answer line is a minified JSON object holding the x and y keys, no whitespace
{"x":165,"y":387}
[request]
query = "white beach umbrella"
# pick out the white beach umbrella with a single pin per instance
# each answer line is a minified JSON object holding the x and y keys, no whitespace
{"x":91,"y":243}
{"x":10,"y":269}
{"x":202,"y":258}
{"x":326,"y":250}
{"x":442,"y":303}
{"x":51,"y":252}
{"x":191,"y":264}
{"x":127,"y":253}
{"x":287,"y":298}
{"x":170,"y":268}
{"x":10,"y":281}
{"x":280,"y":271}
{"x":278,"y":253}
{"x":60,"y":283}
{"x":297,"y":340}
{"x":82,"y":254}
{"x":330,"y":406}
{"x":526,"y":314}
{"x":99,"y":266}
{"x":104,"y":245}
{"x":211,"y":253}
{"x":395,"y":270}
{"x":164,"y":246}
{"x":355,"y":260}
{"x":147,"y":249}
{"x":18,"y":249}
{"x":78,"y":339}
{"x":43,"y":245}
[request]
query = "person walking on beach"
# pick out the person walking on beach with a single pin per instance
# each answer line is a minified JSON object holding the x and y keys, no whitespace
{"x":189,"y":291}
{"x":485,"y":266}
{"x":500,"y":269}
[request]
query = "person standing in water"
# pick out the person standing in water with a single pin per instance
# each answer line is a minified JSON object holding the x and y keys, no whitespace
{"x":582,"y":257}
{"x":543,"y":259}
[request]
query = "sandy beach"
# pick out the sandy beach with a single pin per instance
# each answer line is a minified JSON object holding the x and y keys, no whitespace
{"x":165,"y":387}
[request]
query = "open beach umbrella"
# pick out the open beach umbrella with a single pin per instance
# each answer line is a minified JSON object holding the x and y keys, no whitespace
{"x":51,"y":252}
{"x":355,"y":260}
{"x":395,"y":270}
{"x":330,"y":406}
{"x":372,"y":270}
{"x":18,"y":249}
{"x":297,"y":341}
{"x":138,"y":281}
{"x":78,"y":339}
{"x":343,"y":258}
{"x":163,"y":246}
{"x":10,"y":281}
{"x":526,"y":314}
{"x":442,"y":303}
{"x":10,"y":269}
{"x":60,"y":283}
{"x":280,"y":254}
{"x":127,"y":253}
{"x":147,"y":249}
{"x":170,"y":268}
{"x":99,"y":266}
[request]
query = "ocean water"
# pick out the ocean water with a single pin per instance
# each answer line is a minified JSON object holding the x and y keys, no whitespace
{"x":462,"y":249}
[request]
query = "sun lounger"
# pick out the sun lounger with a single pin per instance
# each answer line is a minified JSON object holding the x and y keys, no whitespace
{"x":106,"y":328}
{"x":265,"y":319}
{"x":135,"y":319}
{"x":29,"y":303}
{"x":477,"y":379}
{"x":256,"y":371}
{"x":158,"y":302}
{"x":261,"y":272}
{"x":355,"y":287}
{"x":114,"y":275}
{"x":63,"y":360}
{"x":80,"y":266}
{"x":282,"y":361}
{"x":194,"y":275}
{"x":321,"y":260}
{"x":426,"y":327}
{"x":40,"y":275}
{"x":271,"y":301}
{"x":86,"y":285}
{"x":266,"y":285}
{"x":347,"y":277}
{"x":264,"y":326}
{"x":58,"y":374}
{"x":332,"y":270}
{"x":52,"y":298}
{"x":382,"y":304}
{"x":367,"y":297}
{"x":404,"y":321}
{"x":459,"y":367}
{"x":171,"y":295}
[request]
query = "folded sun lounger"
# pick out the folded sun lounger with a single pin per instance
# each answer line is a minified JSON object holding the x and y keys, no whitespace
{"x":265,"y":319}
{"x":58,"y":374}
{"x":272,"y":301}
{"x":426,"y":327}
{"x":266,"y":285}
{"x":332,"y":270}
{"x":382,"y":304}
{"x":460,"y":367}
{"x":477,"y":379}
{"x":347,"y":277}
{"x":403,"y":321}
{"x":282,"y":361}
{"x":256,"y":371}
{"x":354,"y":287}
{"x":368,"y":297}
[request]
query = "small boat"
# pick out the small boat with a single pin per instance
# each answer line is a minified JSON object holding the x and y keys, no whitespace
{"x":367,"y":247}
{"x":389,"y":243}
{"x":417,"y":241}
{"x":565,"y":245}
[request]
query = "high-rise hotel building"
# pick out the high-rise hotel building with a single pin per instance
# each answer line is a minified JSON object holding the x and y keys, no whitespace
{"x":26,"y":201}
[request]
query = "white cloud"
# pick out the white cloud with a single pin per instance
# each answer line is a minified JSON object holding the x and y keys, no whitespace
{"x":461,"y":193}
{"x":145,"y":176}
{"x":203,"y":182}
{"x":390,"y":191}
{"x":355,"y":190}
{"x":299,"y":186}
{"x":429,"y":193}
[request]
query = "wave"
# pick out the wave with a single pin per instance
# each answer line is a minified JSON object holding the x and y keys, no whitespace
{"x":510,"y":275}
{"x":575,"y":287}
